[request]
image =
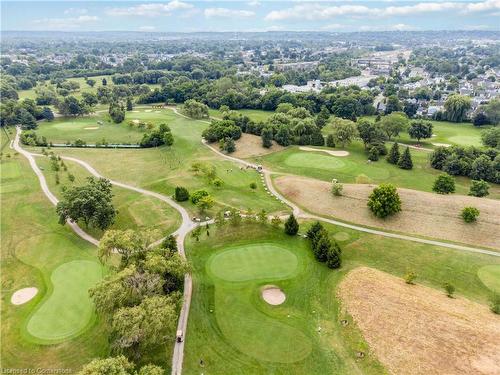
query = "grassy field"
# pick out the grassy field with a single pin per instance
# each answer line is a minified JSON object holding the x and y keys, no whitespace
{"x":135,"y":211}
{"x":347,"y":169}
{"x":255,"y":114}
{"x":35,"y":250}
{"x":162,"y":169}
{"x":229,"y":272}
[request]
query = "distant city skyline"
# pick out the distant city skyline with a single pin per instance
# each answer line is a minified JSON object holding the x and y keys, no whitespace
{"x":254,"y":15}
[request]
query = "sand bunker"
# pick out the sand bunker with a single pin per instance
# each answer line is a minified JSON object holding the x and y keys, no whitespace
{"x":330,"y":152}
{"x":135,"y":121}
{"x":273,"y":295}
{"x":23,"y":295}
{"x":148,"y":110}
{"x":92,"y":128}
{"x":442,"y":144}
{"x":135,"y":111}
{"x":414,"y":330}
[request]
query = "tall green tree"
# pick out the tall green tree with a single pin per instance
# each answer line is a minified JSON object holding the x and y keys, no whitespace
{"x":394,"y":155}
{"x":420,"y":129}
{"x":91,"y":203}
{"x":405,"y":161}
{"x":393,"y":124}
{"x":456,"y":107}
{"x":267,"y":137}
{"x":291,"y":225}
{"x":384,"y":201}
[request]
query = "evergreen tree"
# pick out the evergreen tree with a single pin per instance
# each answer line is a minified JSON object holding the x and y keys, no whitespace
{"x":313,"y":230}
{"x":267,"y":137}
{"x":322,"y":247}
{"x":283,"y":136}
{"x":129,"y":104}
{"x":373,"y":154}
{"x":393,"y":156}
{"x":405,"y":161}
{"x":333,"y":259}
{"x":291,"y":225}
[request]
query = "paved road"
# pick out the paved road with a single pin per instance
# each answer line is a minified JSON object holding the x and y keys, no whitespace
{"x":186,"y":226}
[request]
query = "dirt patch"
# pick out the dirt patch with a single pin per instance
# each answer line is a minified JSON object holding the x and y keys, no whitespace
{"x":426,"y":214}
{"x":23,"y":295}
{"x":273,"y":295}
{"x":414,"y":330}
{"x":330,"y":152}
{"x":91,"y":128}
{"x":250,"y":145}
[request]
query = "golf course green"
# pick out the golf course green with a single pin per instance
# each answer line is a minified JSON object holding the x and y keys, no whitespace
{"x":490,"y":277}
{"x":68,"y":309}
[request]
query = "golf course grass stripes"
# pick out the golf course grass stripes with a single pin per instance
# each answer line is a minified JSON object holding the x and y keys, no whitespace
{"x":254,"y":262}
{"x":490,"y":277}
{"x":69,"y":309}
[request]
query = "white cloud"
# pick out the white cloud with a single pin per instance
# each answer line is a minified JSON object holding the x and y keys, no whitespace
{"x":147,"y":28}
{"x":150,"y":10}
{"x":76,"y":11}
{"x":226,"y":12}
{"x":319,"y":11}
{"x":396,"y":27}
{"x":63,"y":24}
{"x":254,"y":3}
{"x":483,"y":6}
{"x":402,"y":27}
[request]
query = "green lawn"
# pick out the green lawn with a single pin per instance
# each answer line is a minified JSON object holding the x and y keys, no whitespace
{"x":326,"y":167}
{"x":234,"y":331}
{"x":135,"y":211}
{"x":68,"y":311}
{"x":490,"y":276}
{"x":34,"y":246}
{"x":255,"y":114}
{"x":162,"y":169}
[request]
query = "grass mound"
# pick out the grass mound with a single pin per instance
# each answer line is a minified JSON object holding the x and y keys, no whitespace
{"x":490,"y":277}
{"x":68,"y":310}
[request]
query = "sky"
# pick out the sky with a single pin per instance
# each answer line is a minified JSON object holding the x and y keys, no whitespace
{"x":251,"y":15}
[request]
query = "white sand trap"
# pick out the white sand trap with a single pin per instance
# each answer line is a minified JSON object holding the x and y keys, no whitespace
{"x":135,"y":111}
{"x":148,"y":110}
{"x":91,"y":128}
{"x":442,"y":144}
{"x":273,"y":295}
{"x":330,"y":152}
{"x":135,"y":121}
{"x":23,"y":295}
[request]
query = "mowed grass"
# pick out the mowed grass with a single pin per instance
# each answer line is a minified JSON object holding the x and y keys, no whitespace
{"x":490,"y":276}
{"x":69,"y":310}
{"x":256,"y":115}
{"x":135,"y":211}
{"x":346,"y":169}
{"x":33,"y":246}
{"x":162,"y":169}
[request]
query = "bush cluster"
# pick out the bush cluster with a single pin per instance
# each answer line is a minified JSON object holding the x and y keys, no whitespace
{"x":323,"y":248}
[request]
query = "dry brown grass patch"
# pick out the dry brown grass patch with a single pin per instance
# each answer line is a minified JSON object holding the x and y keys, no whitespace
{"x":413,"y":329}
{"x":250,"y":145}
{"x":426,"y":214}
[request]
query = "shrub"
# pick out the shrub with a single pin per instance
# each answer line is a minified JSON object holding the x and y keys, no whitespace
{"x":449,"y":289}
{"x":410,"y":277}
{"x":444,"y":184}
{"x":373,"y":154}
{"x":227,"y":145}
{"x":197,"y":195}
{"x":495,"y":303}
{"x":253,"y":185}
{"x":330,"y":142}
{"x":363,"y":179}
{"x":479,"y":188}
{"x":217,"y":182}
{"x":384,"y":201}
{"x":470,"y":214}
{"x":181,"y":194}
{"x":276,"y":221}
{"x":291,"y":225}
{"x":337,"y":188}
{"x":333,"y":259}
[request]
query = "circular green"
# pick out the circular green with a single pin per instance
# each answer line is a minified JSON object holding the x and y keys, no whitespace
{"x":490,"y":277}
{"x":69,"y":309}
{"x":314,"y":160}
{"x":466,"y":140}
{"x":253,"y":262}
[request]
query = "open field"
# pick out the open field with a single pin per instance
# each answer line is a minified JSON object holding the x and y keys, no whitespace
{"x":256,"y":115}
{"x":34,"y":249}
{"x":426,"y":214}
{"x":414,"y":329}
{"x":346,"y":169}
{"x":229,"y":273}
{"x":162,"y":169}
{"x":135,"y":211}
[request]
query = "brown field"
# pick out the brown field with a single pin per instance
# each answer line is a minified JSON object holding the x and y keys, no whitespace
{"x":426,"y":214}
{"x":250,"y":145}
{"x":413,"y":329}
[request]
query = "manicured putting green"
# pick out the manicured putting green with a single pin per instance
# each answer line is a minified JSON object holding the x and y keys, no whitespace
{"x":469,"y":140}
{"x":253,"y":262}
{"x":490,"y":276}
{"x":313,"y":160}
{"x":69,"y":308}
